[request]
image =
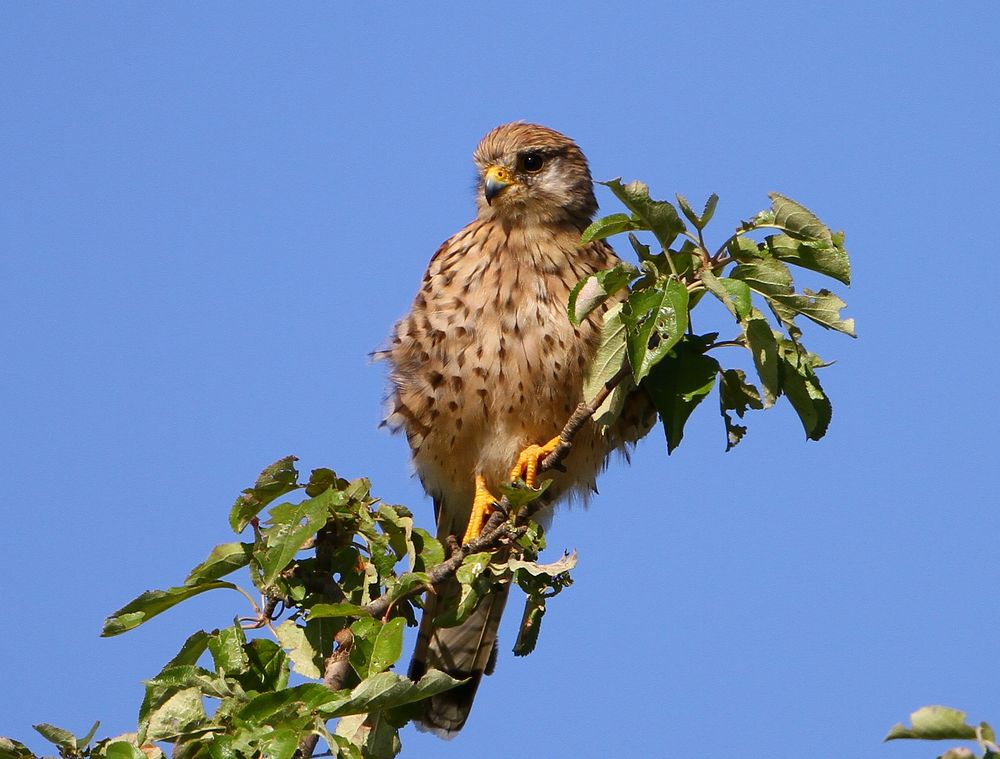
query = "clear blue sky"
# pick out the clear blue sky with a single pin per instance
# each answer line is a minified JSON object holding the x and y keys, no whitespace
{"x":211,"y":213}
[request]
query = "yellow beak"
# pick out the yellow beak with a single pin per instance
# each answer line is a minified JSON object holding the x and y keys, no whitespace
{"x":497,"y":180}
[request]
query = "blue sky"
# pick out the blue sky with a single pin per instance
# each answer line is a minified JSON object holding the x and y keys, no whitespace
{"x":211,"y":214}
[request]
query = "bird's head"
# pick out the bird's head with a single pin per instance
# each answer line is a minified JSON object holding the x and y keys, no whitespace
{"x":533,"y":175}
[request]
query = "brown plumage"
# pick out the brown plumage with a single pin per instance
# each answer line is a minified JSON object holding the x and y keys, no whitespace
{"x":487,"y":363}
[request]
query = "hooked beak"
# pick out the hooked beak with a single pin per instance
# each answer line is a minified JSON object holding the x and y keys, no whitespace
{"x":497,"y":180}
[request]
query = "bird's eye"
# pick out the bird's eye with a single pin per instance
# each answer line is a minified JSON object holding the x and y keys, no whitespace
{"x":532,"y":162}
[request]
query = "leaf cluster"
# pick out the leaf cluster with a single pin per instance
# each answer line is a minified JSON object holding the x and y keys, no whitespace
{"x":338,"y":575}
{"x":649,"y":331}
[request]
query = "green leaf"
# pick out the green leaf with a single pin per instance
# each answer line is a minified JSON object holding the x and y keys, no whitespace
{"x":122,"y":750}
{"x":337,"y":610}
{"x":64,"y":739}
{"x":191,"y":651}
{"x":277,"y":479}
{"x":655,"y":320}
{"x":934,"y":723}
{"x":606,"y":226}
{"x":377,"y":645}
{"x":519,"y":494}
{"x":387,"y":689}
{"x":531,"y":622}
{"x":699,"y":222}
{"x":831,"y":261}
{"x":303,"y":656}
{"x":678,"y":384}
{"x":11,"y":749}
{"x":657,"y":216}
{"x":268,"y":666}
{"x":801,"y":386}
{"x":822,"y":307}
{"x":767,"y":276}
{"x":185,"y":676}
{"x":180,"y":713}
{"x":610,"y":358}
{"x":798,"y":221}
{"x":429,"y":550}
{"x":81,"y":743}
{"x":594,"y":290}
{"x":279,"y":744}
{"x":228,"y":647}
{"x":223,"y":559}
{"x":734,"y":294}
{"x":406,"y":584}
{"x":291,"y":525}
{"x":736,"y":394}
{"x":763,"y":348}
{"x":154,"y":602}
{"x":306,"y":698}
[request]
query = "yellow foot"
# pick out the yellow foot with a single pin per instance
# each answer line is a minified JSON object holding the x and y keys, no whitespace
{"x":527,"y":463}
{"x":482,"y":507}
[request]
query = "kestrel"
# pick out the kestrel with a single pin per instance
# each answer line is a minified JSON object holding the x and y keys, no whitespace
{"x":487,"y":365}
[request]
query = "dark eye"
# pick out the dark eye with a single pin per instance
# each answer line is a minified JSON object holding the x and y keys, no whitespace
{"x":532,"y":162}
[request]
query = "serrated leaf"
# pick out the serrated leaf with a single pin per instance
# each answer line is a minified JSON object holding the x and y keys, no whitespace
{"x":122,"y":750}
{"x":279,"y":744}
{"x":277,"y":479}
{"x":763,"y":348}
{"x":224,"y":558}
{"x":699,"y":222}
{"x":291,"y":526}
{"x":734,"y":294}
{"x":934,"y":723}
{"x":62,"y":738}
{"x":154,"y":602}
{"x":337,"y":610}
{"x":531,"y":622}
{"x":677,"y":385}
{"x":302,"y":699}
{"x":408,"y":583}
{"x":655,"y":320}
{"x":798,"y":221}
{"x":387,"y":689}
{"x":767,"y":276}
{"x":657,"y":216}
{"x":11,"y":749}
{"x":269,"y":667}
{"x":181,"y":712}
{"x":831,"y":261}
{"x":594,"y":290}
{"x":81,"y":743}
{"x":801,"y":386}
{"x":388,"y":646}
{"x":518,"y":494}
{"x":610,"y":358}
{"x":228,"y":650}
{"x":298,"y":648}
{"x":709,"y":211}
{"x":429,"y":550}
{"x":822,"y":307}
{"x":607,"y":226}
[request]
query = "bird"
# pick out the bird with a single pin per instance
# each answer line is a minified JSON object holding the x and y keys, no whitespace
{"x":486,"y":368}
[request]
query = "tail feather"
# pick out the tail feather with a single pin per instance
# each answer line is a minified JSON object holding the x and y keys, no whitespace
{"x":466,"y":651}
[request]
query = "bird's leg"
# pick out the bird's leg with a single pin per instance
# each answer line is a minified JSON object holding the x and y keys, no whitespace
{"x":482,"y":507}
{"x":527,"y":463}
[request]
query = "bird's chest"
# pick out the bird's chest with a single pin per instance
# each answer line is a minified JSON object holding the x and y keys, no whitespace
{"x":508,"y":345}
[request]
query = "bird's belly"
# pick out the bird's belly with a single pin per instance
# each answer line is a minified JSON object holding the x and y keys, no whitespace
{"x":508,"y":380}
